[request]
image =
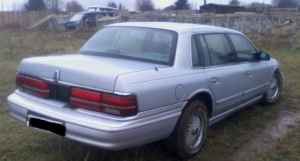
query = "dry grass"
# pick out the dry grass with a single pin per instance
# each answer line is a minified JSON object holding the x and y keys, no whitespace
{"x":18,"y":143}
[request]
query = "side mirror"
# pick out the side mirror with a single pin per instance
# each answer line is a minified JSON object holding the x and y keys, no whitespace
{"x":262,"y":56}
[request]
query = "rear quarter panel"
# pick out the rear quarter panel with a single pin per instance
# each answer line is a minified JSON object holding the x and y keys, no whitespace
{"x":168,"y":86}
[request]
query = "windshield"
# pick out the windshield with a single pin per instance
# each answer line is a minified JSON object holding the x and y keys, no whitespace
{"x":144,"y":44}
{"x":77,"y":17}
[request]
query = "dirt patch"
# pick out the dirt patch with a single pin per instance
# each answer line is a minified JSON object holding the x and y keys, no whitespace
{"x":264,"y":141}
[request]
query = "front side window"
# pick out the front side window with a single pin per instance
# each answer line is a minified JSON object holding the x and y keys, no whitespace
{"x":220,"y":50}
{"x":133,"y":43}
{"x":243,"y":47}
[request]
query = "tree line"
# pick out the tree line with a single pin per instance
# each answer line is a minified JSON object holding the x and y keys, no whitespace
{"x":141,"y":5}
{"x":58,"y":5}
{"x":147,"y":5}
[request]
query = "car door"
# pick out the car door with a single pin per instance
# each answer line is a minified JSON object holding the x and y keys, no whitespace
{"x":225,"y":77}
{"x":257,"y":73}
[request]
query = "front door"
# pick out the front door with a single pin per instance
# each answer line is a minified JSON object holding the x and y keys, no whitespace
{"x":257,"y":73}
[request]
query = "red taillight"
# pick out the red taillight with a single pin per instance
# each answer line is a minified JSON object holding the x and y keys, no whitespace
{"x":103,"y":102}
{"x":33,"y":85}
{"x":86,"y":94}
{"x":118,"y":100}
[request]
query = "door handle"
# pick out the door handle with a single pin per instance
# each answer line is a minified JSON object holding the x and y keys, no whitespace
{"x":214,"y":80}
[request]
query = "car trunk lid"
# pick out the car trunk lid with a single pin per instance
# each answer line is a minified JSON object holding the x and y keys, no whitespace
{"x":82,"y":70}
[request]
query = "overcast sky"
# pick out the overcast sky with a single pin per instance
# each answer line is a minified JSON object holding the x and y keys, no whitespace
{"x":13,"y":4}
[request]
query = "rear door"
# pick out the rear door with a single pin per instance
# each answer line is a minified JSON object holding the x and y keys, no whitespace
{"x":226,"y":77}
{"x":257,"y":73}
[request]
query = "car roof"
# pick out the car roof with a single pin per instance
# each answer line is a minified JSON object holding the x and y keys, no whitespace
{"x":86,"y":12}
{"x":177,"y":27}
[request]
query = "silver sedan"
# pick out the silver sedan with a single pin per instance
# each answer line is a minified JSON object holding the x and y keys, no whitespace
{"x":140,"y":82}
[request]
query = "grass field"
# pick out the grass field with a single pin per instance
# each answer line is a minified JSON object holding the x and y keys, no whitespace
{"x":261,"y":133}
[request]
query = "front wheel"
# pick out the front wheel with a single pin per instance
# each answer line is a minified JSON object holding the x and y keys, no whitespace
{"x":191,"y":131}
{"x":274,"y":91}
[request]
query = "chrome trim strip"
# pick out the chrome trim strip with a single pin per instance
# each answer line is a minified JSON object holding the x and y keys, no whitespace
{"x":229,"y":98}
{"x":35,"y":89}
{"x":256,"y":88}
{"x":242,"y":93}
{"x":86,"y":87}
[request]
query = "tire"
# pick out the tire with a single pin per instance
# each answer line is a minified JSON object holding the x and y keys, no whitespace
{"x":273,"y":94}
{"x":190,"y":133}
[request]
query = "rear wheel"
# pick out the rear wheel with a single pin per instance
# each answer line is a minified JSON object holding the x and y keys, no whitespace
{"x":191,"y":131}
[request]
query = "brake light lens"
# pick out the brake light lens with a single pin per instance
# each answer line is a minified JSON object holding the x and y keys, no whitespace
{"x":103,"y":102}
{"x":86,"y":95}
{"x":33,"y":85}
{"x":116,"y":100}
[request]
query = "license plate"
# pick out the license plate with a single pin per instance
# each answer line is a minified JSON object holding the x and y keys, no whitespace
{"x":49,"y":125}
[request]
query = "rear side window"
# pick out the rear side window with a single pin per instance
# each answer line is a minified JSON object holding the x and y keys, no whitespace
{"x":220,"y":50}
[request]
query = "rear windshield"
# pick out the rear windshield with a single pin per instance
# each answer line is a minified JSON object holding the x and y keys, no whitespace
{"x":143,"y":44}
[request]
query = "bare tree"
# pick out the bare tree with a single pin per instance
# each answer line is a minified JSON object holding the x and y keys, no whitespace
{"x":234,"y":3}
{"x":74,"y":6}
{"x":112,"y":5}
{"x":35,"y":5}
{"x":122,"y":7}
{"x":182,"y":5}
{"x":145,"y":5}
{"x":286,"y":3}
{"x":54,"y":5}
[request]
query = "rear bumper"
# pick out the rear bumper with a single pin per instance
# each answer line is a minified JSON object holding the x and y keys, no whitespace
{"x":99,"y":130}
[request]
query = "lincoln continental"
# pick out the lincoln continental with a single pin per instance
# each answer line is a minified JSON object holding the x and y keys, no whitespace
{"x":140,"y":82}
